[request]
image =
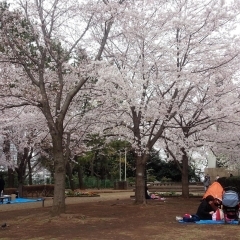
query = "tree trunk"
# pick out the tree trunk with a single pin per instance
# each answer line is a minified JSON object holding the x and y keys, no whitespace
{"x":91,"y":168}
{"x":6,"y":150}
{"x":20,"y":181}
{"x":58,"y":206}
{"x":29,"y":172}
{"x":80,"y":177}
{"x":21,"y":169}
{"x":20,"y":189}
{"x":140,"y":183}
{"x":68,"y":163}
{"x":185,"y":184}
{"x":10,"y":178}
{"x":70,"y":176}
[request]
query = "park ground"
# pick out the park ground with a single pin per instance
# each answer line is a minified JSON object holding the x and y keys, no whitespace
{"x":113,"y":215}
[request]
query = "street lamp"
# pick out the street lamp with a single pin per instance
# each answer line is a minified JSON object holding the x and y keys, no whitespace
{"x":120,"y":177}
{"x":125,"y":166}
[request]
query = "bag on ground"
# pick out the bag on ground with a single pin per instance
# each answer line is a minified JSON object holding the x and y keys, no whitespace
{"x":218,"y":215}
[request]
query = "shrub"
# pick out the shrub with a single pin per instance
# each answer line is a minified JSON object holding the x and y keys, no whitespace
{"x":230,"y":182}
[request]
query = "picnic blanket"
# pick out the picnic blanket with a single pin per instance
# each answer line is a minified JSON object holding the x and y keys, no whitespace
{"x":211,"y":222}
{"x":21,"y":200}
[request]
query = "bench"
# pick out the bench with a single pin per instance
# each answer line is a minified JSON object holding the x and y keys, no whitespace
{"x":8,"y":197}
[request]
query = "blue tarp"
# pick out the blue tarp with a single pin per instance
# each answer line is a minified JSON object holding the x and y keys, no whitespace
{"x":216,"y":222}
{"x":21,"y":200}
{"x":211,"y":222}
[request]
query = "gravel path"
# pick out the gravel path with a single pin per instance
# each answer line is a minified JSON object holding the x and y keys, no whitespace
{"x":104,"y":196}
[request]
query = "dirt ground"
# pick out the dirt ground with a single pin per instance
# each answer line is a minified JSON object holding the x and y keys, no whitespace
{"x":110,"y":216}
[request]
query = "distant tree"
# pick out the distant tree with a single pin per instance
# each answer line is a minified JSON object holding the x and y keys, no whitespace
{"x":169,"y":169}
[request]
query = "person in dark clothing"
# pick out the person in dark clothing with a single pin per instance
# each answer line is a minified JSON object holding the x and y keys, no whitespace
{"x":147,"y":194}
{"x":2,"y":184}
{"x":206,"y":208}
{"x":206,"y":182}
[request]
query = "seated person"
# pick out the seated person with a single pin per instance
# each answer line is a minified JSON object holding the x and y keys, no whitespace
{"x":206,"y":208}
{"x":147,"y":193}
{"x":216,"y":203}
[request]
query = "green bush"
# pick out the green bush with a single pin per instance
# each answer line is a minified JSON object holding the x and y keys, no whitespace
{"x":151,"y":178}
{"x":230,"y":182}
{"x":93,"y":182}
{"x":165,"y":179}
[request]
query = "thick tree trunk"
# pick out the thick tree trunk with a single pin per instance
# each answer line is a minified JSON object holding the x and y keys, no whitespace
{"x":20,"y":181}
{"x":20,"y":189}
{"x":185,"y":184}
{"x":140,"y":183}
{"x":58,"y":206}
{"x":21,"y":169}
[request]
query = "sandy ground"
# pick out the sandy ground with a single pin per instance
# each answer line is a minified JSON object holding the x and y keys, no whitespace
{"x":104,"y":196}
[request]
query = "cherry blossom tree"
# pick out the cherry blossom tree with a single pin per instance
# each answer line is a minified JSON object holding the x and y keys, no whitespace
{"x":166,"y":53}
{"x":206,"y":108}
{"x":155,"y":57}
{"x":23,"y":131}
{"x":39,"y":42}
{"x":224,"y":137}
